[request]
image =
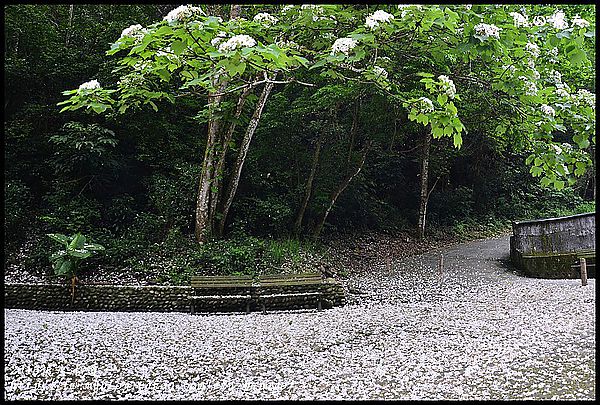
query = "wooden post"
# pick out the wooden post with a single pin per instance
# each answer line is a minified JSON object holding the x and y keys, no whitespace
{"x":583,"y":271}
{"x":440,"y":266}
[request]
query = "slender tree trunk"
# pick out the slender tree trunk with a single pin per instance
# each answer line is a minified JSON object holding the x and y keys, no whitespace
{"x":239,"y":163}
{"x":67,"y":37}
{"x":334,"y":196}
{"x":424,"y":177}
{"x":309,"y":185}
{"x":216,"y":189}
{"x":202,"y":229}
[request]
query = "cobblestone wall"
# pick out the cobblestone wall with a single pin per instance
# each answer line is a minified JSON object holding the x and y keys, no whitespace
{"x":151,"y":298}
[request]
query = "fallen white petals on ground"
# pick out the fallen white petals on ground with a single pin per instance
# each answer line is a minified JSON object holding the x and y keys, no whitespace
{"x":478,"y":332}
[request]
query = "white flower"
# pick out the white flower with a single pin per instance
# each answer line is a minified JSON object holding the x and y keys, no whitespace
{"x":287,"y":44}
{"x":91,"y":85}
{"x":557,"y":148}
{"x":519,"y":19}
{"x":530,"y":87}
{"x":135,"y":31}
{"x":447,"y":85}
{"x":238,"y":41}
{"x":539,"y":20}
{"x":265,"y":18}
{"x":219,"y":38}
{"x":531,"y":64}
{"x":378,"y":17}
{"x":557,"y":20}
{"x":468,"y":6}
{"x":380,"y":72}
{"x":426,"y":105}
{"x":287,"y":8}
{"x":343,"y":45}
{"x":533,"y":49}
{"x":584,"y":96}
{"x":182,"y":12}
{"x":561,"y":92}
{"x":580,"y":22}
{"x":546,"y":109}
{"x":487,"y":30}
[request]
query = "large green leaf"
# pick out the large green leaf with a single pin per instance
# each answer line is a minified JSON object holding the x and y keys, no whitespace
{"x":59,"y":237}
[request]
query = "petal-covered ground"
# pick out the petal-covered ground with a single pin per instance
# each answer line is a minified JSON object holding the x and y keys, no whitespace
{"x":476,"y":330}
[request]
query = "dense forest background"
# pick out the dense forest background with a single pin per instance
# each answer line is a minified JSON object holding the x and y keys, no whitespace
{"x":126,"y":181}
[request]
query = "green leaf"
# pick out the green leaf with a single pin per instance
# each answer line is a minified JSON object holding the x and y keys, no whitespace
{"x":442,"y":98}
{"x":59,"y":237}
{"x":178,"y":47}
{"x":77,"y":242}
{"x":457,"y":140}
{"x":438,"y":132}
{"x":535,"y":171}
{"x":559,"y":184}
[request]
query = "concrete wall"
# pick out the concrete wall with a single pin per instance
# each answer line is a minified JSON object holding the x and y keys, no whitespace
{"x":541,"y":248}
{"x":149,"y":298}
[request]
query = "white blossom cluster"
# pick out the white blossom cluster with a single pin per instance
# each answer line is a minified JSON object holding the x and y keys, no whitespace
{"x":134,"y":80}
{"x":314,"y":7}
{"x":553,"y":55}
{"x":380,"y":72}
{"x":547,"y":110}
{"x":447,"y":85}
{"x":287,"y":44}
{"x":91,"y":85}
{"x":519,"y":19}
{"x":343,"y":45}
{"x":580,"y":22}
{"x":487,"y":30}
{"x":533,"y":49}
{"x":182,"y":12}
{"x":135,"y":31}
{"x":221,"y":35}
{"x":287,"y":8}
{"x":539,"y":20}
{"x":557,"y":20}
{"x":584,"y":96}
{"x":265,"y":18}
{"x":378,"y":17}
{"x":530,"y":87}
{"x":556,"y":148}
{"x":237,"y":41}
{"x":426,"y":105}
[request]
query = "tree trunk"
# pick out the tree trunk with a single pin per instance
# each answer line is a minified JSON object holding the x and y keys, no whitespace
{"x":338,"y":191}
{"x":308,"y":187}
{"x":239,"y":163}
{"x":202,"y":229}
{"x":216,"y":189}
{"x":424,"y":192}
{"x":70,"y":25}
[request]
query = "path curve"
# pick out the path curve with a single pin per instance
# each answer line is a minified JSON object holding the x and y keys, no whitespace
{"x":479,"y":332}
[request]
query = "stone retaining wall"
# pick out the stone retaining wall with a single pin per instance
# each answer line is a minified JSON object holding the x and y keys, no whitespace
{"x":546,"y":248}
{"x":149,"y":298}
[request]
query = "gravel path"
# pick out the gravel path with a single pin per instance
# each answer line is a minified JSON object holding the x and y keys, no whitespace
{"x":480,"y":332}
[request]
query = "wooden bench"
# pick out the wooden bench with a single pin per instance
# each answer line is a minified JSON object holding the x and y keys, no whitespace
{"x":282,"y":280}
{"x":233,"y":287}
